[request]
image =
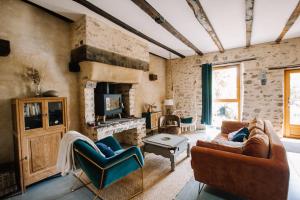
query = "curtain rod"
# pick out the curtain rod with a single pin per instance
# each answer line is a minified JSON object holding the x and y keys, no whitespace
{"x":234,"y":61}
{"x":285,"y":67}
{"x":231,"y":62}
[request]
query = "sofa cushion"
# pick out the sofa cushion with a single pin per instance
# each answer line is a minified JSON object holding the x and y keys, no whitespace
{"x":230,"y":126}
{"x":232,"y":134}
{"x":241,"y":135}
{"x":222,"y":139}
{"x":255,"y":131}
{"x":257,"y":146}
{"x":256,"y":123}
{"x":220,"y":147}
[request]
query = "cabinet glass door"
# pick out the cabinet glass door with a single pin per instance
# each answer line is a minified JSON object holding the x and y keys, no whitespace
{"x":55,"y":113}
{"x":33,"y":117}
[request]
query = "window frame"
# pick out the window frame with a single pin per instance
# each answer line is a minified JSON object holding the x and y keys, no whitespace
{"x":238,"y":95}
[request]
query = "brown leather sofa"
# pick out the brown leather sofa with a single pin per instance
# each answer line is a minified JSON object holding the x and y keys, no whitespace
{"x":249,"y":177}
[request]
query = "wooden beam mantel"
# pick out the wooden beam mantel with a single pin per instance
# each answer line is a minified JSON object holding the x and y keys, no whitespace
{"x":294,"y":16}
{"x":89,"y":53}
{"x":249,"y":20}
{"x":158,"y":18}
{"x":201,"y":16}
{"x":120,"y":23}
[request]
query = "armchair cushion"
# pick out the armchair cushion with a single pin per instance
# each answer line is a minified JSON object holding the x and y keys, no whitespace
{"x":106,"y":150}
{"x":111,"y":142}
{"x":187,"y":120}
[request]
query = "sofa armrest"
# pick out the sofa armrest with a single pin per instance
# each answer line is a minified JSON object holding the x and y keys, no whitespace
{"x":230,"y":126}
{"x":240,"y":174}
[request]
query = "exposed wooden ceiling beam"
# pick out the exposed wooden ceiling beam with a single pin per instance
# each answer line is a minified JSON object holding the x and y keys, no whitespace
{"x":154,"y":14}
{"x":201,"y":16}
{"x":249,"y":20}
{"x":290,"y":22}
{"x":106,"y":15}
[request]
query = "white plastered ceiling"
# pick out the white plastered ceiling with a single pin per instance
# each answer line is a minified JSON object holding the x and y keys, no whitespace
{"x":226,"y":16}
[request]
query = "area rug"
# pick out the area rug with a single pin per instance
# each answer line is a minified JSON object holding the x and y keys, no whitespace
{"x":159,"y":181}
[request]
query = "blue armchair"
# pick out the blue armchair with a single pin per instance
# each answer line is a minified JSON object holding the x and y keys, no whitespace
{"x":104,"y":171}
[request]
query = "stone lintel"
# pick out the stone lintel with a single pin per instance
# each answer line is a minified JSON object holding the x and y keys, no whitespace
{"x":88,"y":53}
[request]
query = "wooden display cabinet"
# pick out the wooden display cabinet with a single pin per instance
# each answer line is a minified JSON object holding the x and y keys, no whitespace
{"x":152,"y":119}
{"x":39,"y":125}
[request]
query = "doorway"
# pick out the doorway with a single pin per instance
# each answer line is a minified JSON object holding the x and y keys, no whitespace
{"x":292,"y":103}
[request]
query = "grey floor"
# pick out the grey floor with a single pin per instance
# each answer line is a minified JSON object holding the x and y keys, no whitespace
{"x":56,"y":188}
{"x":60,"y":187}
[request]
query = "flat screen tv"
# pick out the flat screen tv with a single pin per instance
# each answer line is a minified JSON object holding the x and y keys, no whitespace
{"x":108,"y":104}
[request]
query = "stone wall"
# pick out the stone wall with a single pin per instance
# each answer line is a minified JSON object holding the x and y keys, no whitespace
{"x":41,"y":41}
{"x":184,"y":79}
{"x":97,"y":33}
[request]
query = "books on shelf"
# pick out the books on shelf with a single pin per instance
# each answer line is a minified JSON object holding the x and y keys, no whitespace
{"x":32,"y":109}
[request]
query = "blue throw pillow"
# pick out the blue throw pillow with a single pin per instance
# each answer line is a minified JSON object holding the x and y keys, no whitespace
{"x":106,"y":150}
{"x":187,"y":120}
{"x":239,"y":137}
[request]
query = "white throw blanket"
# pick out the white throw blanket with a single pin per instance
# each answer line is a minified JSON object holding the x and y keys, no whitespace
{"x":65,"y":159}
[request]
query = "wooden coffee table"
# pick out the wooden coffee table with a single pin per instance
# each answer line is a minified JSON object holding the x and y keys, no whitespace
{"x":167,"y":145}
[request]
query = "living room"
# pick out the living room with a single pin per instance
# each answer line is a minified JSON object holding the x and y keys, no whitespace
{"x":149,"y":99}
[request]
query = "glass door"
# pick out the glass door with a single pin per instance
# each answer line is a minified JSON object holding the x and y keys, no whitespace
{"x":292,"y":103}
{"x":33,"y":115}
{"x":55,"y":113}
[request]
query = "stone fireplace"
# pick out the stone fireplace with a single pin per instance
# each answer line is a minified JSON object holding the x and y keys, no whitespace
{"x":102,"y":53}
{"x":128,"y":129}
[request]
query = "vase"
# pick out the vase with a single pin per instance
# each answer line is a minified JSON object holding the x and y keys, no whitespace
{"x":36,"y":89}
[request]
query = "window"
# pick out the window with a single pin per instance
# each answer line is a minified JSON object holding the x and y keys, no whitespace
{"x":226,"y":94}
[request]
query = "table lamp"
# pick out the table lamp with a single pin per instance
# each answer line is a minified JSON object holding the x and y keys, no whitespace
{"x":169,"y":103}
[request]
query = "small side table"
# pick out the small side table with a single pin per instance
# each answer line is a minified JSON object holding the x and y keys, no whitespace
{"x":167,"y":145}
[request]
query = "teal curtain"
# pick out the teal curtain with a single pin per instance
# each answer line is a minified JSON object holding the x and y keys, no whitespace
{"x":206,"y":94}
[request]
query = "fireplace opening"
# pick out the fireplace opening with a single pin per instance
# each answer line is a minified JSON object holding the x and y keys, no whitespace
{"x":112,"y":100}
